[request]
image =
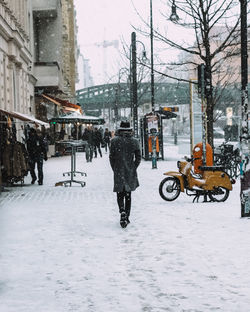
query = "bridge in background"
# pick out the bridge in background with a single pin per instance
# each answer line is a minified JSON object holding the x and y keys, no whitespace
{"x":118,"y":95}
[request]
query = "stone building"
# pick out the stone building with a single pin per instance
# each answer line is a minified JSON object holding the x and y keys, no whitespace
{"x":69,"y":49}
{"x":54,"y":55}
{"x":37,"y":39}
{"x":17,"y":81}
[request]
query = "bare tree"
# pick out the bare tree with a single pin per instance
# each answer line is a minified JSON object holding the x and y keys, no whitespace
{"x":216,"y":32}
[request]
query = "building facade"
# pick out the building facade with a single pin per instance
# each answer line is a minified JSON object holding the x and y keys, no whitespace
{"x":54,"y":54}
{"x":69,"y":49}
{"x":17,"y":81}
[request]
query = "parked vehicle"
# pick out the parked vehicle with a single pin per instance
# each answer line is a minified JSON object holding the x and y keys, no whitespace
{"x":229,"y":158}
{"x":213,"y":182}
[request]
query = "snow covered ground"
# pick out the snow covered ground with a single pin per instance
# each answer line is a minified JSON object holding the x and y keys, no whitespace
{"x":62,"y":248}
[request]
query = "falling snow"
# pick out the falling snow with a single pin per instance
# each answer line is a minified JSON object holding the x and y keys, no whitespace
{"x":62,"y":248}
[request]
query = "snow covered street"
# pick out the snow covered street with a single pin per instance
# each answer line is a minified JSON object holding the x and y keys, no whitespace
{"x":62,"y":248}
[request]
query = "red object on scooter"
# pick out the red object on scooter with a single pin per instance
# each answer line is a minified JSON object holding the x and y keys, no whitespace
{"x":198,"y":160}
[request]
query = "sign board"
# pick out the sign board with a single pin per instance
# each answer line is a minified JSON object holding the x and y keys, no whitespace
{"x":170,"y":109}
{"x":229,"y":112}
{"x":152,"y":123}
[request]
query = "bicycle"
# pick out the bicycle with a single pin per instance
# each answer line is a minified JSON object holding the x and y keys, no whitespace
{"x":229,"y":158}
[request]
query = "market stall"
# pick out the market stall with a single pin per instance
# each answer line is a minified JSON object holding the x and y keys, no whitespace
{"x":13,"y":154}
{"x":69,"y":127}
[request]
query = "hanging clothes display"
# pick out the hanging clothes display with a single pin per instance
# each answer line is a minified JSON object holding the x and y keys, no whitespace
{"x":13,"y":154}
{"x":15,"y":163}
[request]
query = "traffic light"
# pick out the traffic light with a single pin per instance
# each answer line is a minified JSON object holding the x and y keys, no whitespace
{"x":201,"y":78}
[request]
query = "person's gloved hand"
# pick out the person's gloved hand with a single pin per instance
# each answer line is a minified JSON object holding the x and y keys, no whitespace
{"x":45,"y":158}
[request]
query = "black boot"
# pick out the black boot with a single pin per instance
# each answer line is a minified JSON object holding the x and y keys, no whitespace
{"x":128,"y":205}
{"x":120,"y":201}
{"x":123,"y":219}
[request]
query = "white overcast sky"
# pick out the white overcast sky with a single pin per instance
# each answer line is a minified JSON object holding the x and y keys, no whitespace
{"x":100,"y":20}
{"x":110,"y":20}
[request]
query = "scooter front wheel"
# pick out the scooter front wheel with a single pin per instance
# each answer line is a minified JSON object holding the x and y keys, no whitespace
{"x":169,"y":188}
{"x":219,"y":194}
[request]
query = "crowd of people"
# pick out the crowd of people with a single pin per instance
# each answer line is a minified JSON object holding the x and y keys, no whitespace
{"x":94,"y":139}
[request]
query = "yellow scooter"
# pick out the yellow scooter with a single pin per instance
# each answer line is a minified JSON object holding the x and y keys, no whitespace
{"x":213,"y":182}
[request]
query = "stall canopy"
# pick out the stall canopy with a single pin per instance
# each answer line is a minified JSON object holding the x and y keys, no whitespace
{"x":77,"y":117}
{"x":26,"y":118}
{"x":66,"y":105}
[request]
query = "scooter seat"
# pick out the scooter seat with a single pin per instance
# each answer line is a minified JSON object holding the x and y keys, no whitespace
{"x":211,"y":168}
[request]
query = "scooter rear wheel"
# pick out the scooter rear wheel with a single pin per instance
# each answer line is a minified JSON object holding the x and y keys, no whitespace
{"x":220,"y":194}
{"x":169,"y":188}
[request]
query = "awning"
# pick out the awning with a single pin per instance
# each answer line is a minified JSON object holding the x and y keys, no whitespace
{"x":24,"y":117}
{"x":66,"y":104}
{"x":77,"y":117}
{"x":51,"y":100}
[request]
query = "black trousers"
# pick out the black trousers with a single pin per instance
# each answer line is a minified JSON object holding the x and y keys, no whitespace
{"x":89,"y":150}
{"x":106,"y":146}
{"x":39,"y":161}
{"x":124,"y":202}
{"x":97,"y":147}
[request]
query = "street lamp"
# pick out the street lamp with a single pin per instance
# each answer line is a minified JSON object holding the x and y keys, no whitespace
{"x":174,"y":17}
{"x":133,"y":77}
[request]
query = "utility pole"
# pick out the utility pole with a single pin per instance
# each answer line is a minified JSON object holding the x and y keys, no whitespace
{"x":152,"y":59}
{"x":244,"y":137}
{"x":201,"y":90}
{"x":134,"y":85}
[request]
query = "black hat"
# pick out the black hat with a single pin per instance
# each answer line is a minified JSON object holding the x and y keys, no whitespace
{"x":125,"y":125}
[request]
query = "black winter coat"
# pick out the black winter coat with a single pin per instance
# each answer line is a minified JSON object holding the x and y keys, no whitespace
{"x":107,"y":137}
{"x":88,"y":135}
{"x":97,"y":137}
{"x":125,"y":157}
{"x":36,"y":147}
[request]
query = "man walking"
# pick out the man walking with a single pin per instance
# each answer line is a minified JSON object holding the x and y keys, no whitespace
{"x":125,"y":157}
{"x":106,"y":139}
{"x":88,"y":137}
{"x":97,"y":142}
{"x":37,"y":152}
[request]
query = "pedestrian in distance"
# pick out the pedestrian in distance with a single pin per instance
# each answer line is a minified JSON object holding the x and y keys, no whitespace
{"x":36,"y":148}
{"x":97,"y":142}
{"x":106,"y":139}
{"x":101,"y":131}
{"x":88,"y":137}
{"x":125,"y":157}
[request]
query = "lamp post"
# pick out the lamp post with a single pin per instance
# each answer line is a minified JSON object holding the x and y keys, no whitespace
{"x":134,"y":84}
{"x":133,"y":80}
{"x":117,"y":97}
{"x":152,"y":59}
{"x":244,"y":137}
{"x":174,"y":18}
